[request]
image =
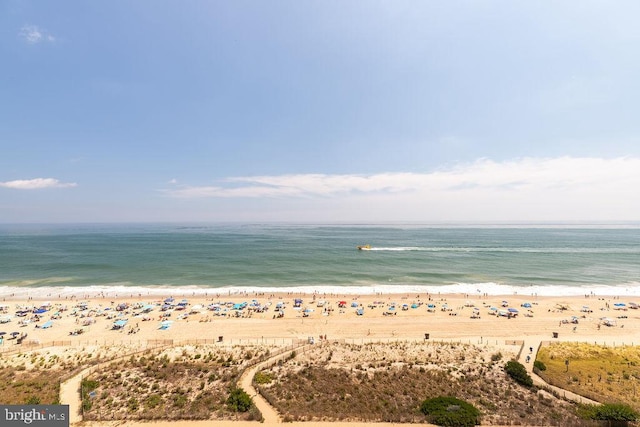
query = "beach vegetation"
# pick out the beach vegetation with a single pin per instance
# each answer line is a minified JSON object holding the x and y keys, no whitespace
{"x":193,"y":388}
{"x":450,"y":411}
{"x":262,"y":377}
{"x":20,"y":386}
{"x":239,"y":400}
{"x":518,"y":372}
{"x":539,"y":365}
{"x":605,"y":374}
{"x":314,"y":388}
{"x":609,"y":412}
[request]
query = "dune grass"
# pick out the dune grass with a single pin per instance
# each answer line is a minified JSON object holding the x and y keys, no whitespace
{"x":603,"y":374}
{"x":389,"y":382}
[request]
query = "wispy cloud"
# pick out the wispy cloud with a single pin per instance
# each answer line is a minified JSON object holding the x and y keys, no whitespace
{"x":33,"y":34}
{"x":36,"y":184}
{"x":529,"y":174}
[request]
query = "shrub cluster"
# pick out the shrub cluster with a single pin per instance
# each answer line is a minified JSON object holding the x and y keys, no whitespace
{"x":449,"y":411}
{"x":518,"y":372}
{"x":609,"y":412}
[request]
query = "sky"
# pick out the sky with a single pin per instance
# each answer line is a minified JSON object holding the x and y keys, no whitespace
{"x":332,"y":111}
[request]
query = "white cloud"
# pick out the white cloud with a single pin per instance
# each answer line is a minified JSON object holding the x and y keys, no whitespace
{"x":563,"y":188}
{"x":33,"y":34}
{"x":529,"y":174}
{"x":36,"y":184}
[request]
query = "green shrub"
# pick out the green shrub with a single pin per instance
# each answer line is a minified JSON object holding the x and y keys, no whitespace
{"x":518,"y":372}
{"x":609,"y":412}
{"x":239,"y":400}
{"x":262,"y":378}
{"x":539,"y":365}
{"x":33,"y":400}
{"x":449,"y":411}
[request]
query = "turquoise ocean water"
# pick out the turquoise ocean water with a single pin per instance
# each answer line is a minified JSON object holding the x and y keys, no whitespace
{"x":550,"y":260}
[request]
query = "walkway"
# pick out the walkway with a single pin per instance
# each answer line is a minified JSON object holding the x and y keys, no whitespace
{"x":531,"y":343}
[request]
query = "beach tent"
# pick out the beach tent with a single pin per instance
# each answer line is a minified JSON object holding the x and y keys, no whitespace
{"x":119,"y":324}
{"x":354,"y":304}
{"x":526,"y":305}
{"x":165,"y":324}
{"x":47,"y":324}
{"x":360,"y":311}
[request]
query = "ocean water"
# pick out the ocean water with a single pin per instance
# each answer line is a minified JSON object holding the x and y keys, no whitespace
{"x":550,"y":260}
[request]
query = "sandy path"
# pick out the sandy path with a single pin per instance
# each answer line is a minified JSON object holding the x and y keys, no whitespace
{"x":269,"y":413}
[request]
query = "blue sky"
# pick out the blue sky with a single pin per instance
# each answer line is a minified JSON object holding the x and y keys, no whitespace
{"x":319,"y":111}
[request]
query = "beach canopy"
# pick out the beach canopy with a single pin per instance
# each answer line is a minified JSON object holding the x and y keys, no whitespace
{"x":120,"y":323}
{"x":47,"y":324}
{"x":165,"y":324}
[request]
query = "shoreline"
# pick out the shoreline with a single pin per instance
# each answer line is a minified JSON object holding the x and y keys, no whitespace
{"x":475,"y":290}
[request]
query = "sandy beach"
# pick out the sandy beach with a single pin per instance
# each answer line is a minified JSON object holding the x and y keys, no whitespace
{"x":122,"y":323}
{"x":278,"y":319}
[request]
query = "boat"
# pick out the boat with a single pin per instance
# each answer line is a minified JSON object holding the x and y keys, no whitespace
{"x":364,"y":247}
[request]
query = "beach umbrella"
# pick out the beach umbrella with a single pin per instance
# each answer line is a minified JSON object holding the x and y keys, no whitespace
{"x":15,"y":333}
{"x":513,"y":310}
{"x":3,"y":333}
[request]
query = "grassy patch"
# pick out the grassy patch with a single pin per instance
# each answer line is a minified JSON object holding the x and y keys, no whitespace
{"x":604,"y":374}
{"x":18,"y":387}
